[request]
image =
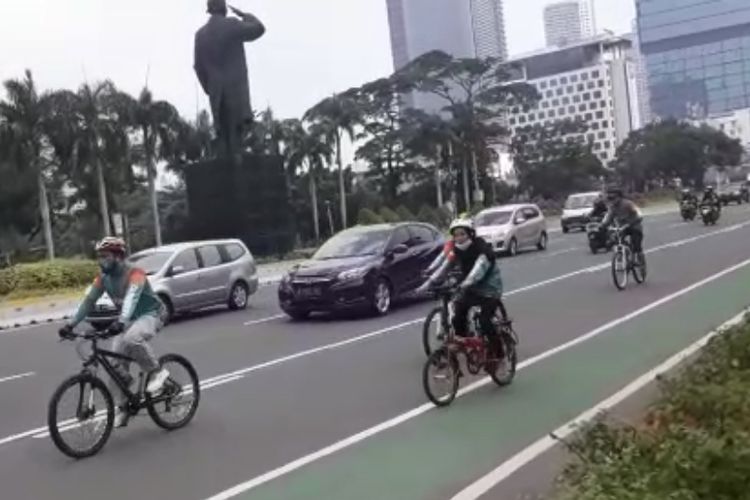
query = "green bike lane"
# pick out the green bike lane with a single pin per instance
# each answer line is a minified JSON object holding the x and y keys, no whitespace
{"x":438,"y":453}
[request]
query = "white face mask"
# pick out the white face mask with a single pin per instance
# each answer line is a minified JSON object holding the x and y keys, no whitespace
{"x":463,"y":246}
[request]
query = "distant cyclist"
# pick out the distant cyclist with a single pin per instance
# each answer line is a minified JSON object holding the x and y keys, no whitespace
{"x":139,"y":318}
{"x":481,"y":284}
{"x":625,"y":213}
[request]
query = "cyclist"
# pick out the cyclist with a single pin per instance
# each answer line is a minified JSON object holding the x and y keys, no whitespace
{"x":626,"y":214}
{"x":139,"y":318}
{"x":481,"y":284}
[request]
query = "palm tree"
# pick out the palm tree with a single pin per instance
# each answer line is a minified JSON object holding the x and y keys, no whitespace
{"x":104,"y":133}
{"x":336,"y":116}
{"x":157,"y":123}
{"x":22,"y":120}
{"x":308,"y":148}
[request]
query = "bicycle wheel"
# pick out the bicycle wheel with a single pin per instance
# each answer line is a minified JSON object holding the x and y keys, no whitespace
{"x":640,"y":270}
{"x":433,"y":335}
{"x":504,"y":373}
{"x":80,"y":416}
{"x":620,"y":269}
{"x":442,"y":369}
{"x":175,"y":406}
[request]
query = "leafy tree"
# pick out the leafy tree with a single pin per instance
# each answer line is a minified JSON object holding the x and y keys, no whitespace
{"x":389,"y":215}
{"x":404,"y":214}
{"x":367,"y":217}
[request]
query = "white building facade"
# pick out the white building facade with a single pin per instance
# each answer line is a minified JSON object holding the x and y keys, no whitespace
{"x":594,"y":81}
{"x":736,"y":124}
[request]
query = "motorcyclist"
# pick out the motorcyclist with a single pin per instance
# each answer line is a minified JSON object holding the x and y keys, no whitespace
{"x":687,"y":196}
{"x":625,"y":213}
{"x":600,"y":208}
{"x":139,"y":318}
{"x":482,"y":285}
{"x":710,"y":198}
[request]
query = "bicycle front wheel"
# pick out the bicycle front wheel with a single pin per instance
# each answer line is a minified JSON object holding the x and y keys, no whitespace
{"x":175,"y":405}
{"x":620,"y":269}
{"x":80,"y":416}
{"x":433,"y":331}
{"x":440,"y":377}
{"x":504,"y":371}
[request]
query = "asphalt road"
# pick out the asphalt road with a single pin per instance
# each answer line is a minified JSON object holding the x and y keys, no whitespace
{"x":334,"y":409}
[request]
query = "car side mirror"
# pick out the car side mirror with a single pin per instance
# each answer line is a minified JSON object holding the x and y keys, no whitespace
{"x":400,"y":249}
{"x":175,"y":270}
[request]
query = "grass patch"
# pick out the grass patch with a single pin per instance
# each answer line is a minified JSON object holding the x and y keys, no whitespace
{"x":693,"y":444}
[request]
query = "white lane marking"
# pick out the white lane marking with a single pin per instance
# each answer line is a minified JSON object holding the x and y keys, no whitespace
{"x":16,"y":377}
{"x":386,"y":330}
{"x":541,"y":446}
{"x":264,"y":320}
{"x":388,"y":424}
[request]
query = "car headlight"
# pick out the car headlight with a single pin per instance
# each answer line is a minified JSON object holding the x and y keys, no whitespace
{"x":353,"y":274}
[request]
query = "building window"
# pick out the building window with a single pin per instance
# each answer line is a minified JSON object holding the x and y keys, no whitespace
{"x":603,"y":104}
{"x":569,"y":89}
{"x":606,"y":144}
{"x":571,"y":110}
{"x":563,"y":80}
{"x":591,"y":85}
{"x":573,"y":78}
{"x":597,"y":94}
{"x":590,"y":137}
{"x":576,"y":99}
{"x":566,"y":100}
{"x":599,"y":115}
{"x":601,"y":83}
{"x":548,"y":93}
{"x":543,"y":85}
{"x":597,"y":146}
{"x":555,"y":102}
{"x":559,"y":91}
{"x":587,"y":96}
{"x":588,"y":117}
{"x":532,"y":117}
{"x":584,"y":77}
{"x":553,"y":82}
{"x":592,"y":105}
{"x":561,"y":111}
{"x":582,"y":108}
{"x":606,"y":124}
{"x":580,"y":87}
{"x":602,"y":135}
{"x":512,"y":121}
{"x":551,"y":113}
{"x":595,"y":126}
{"x":522,"y":119}
{"x":595,"y":74}
{"x":545,"y":105}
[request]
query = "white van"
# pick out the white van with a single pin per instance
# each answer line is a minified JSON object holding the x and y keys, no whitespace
{"x":576,"y":211}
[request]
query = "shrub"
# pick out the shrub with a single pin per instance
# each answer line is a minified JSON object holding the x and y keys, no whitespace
{"x":404,"y":214}
{"x":367,"y":217}
{"x":389,"y":215}
{"x":47,"y":276}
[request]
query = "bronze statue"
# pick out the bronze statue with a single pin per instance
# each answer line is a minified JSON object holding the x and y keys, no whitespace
{"x":221,"y":68}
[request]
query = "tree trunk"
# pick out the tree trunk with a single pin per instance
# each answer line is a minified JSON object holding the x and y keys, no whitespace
{"x":342,"y":187}
{"x":45,"y":213}
{"x":154,"y":200}
{"x":103,"y":207}
{"x":465,"y":173}
{"x":314,"y":202}
{"x":478,"y":193}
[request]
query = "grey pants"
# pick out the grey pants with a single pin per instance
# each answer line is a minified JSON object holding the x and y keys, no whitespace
{"x":134,"y":343}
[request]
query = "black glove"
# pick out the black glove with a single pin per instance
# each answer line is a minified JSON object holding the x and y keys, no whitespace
{"x":66,"y":332}
{"x":115,"y":328}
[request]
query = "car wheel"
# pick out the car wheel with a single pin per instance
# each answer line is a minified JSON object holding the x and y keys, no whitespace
{"x":381,"y":298}
{"x":565,"y":229}
{"x":238,"y":296}
{"x":513,"y":247}
{"x":167,"y":310}
{"x":542,"y":244}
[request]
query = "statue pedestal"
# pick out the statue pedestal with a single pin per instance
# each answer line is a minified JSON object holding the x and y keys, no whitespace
{"x":248,"y":200}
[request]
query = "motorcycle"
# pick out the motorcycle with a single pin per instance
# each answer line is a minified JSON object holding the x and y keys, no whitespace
{"x":597,"y":238}
{"x":709,"y":214}
{"x":687,"y":210}
{"x":745,"y":193}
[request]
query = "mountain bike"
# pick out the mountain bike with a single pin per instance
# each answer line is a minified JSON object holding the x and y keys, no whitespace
{"x":92,"y":407}
{"x":625,"y":261}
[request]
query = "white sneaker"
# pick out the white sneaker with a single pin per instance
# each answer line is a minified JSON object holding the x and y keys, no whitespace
{"x":121,"y":417}
{"x":157,"y":381}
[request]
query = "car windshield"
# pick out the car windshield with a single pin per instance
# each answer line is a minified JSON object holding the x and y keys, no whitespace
{"x":150,"y":262}
{"x":493,"y":218}
{"x":576,"y":202}
{"x":354,"y":244}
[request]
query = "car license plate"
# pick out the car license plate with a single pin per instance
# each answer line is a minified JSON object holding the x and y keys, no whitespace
{"x":313,"y":291}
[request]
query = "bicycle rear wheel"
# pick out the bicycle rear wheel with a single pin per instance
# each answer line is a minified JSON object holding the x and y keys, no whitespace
{"x":640,"y":270}
{"x":175,"y":406}
{"x":504,"y":372}
{"x":620,"y":269}
{"x":80,"y":416}
{"x":433,"y":334}
{"x":440,"y":377}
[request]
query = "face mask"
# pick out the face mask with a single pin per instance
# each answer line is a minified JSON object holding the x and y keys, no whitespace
{"x":108,"y":265}
{"x":463,"y":246}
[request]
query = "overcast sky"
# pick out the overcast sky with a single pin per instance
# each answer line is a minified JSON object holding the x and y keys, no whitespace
{"x":312,"y":47}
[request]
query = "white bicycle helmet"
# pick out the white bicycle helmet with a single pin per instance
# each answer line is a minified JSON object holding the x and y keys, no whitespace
{"x":463,"y":223}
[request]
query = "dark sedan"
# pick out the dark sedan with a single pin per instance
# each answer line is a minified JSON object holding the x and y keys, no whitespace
{"x":363,"y":268}
{"x":735,"y":193}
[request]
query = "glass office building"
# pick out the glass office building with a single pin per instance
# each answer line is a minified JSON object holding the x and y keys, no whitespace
{"x":697,"y":55}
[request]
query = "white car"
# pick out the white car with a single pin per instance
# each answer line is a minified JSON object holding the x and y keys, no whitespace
{"x":510,"y":228}
{"x":576,"y":211}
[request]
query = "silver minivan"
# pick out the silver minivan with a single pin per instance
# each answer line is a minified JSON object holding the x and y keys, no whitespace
{"x":195,"y":275}
{"x":510,"y":228}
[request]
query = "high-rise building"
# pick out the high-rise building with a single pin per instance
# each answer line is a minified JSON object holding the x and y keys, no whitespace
{"x":592,"y":80}
{"x":641,"y":77}
{"x":569,"y":22}
{"x":488,"y":28}
{"x":697,"y":55}
{"x":461,"y":28}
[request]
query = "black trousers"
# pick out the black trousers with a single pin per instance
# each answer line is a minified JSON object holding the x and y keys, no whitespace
{"x":487,"y":305}
{"x":636,"y":237}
